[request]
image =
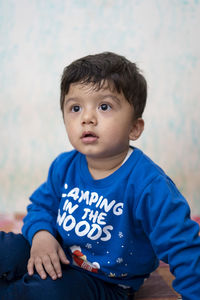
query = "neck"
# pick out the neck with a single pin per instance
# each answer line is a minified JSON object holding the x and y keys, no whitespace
{"x":103,"y":167}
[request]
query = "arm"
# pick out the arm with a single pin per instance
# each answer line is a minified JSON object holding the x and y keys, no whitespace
{"x":42,"y":212}
{"x":40,"y":225}
{"x":165,"y":216}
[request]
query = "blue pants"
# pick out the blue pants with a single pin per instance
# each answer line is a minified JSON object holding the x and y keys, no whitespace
{"x":15,"y":283}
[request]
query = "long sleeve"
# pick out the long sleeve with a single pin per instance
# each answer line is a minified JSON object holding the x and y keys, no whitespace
{"x":43,"y":210}
{"x":165,"y":216}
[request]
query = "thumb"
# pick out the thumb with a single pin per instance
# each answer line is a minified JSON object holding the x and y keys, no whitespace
{"x":62,"y":256}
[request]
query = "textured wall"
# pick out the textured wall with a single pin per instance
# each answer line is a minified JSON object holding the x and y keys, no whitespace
{"x":38,"y":38}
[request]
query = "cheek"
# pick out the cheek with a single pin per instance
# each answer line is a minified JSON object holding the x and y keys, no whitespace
{"x":70,"y":128}
{"x":72,"y":135}
{"x":117,"y":132}
{"x":69,"y":122}
{"x":122,"y":127}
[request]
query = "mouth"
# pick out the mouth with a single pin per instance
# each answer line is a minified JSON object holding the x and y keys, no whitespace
{"x":89,"y":137}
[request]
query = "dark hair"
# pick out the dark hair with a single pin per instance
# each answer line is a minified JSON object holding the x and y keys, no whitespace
{"x":107,"y":67}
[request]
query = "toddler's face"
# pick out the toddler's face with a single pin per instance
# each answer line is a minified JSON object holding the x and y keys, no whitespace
{"x":98,"y":122}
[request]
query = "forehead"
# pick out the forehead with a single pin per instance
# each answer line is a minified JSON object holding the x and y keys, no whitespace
{"x":104,"y":87}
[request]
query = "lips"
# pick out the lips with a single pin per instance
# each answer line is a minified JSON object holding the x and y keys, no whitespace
{"x":89,"y":137}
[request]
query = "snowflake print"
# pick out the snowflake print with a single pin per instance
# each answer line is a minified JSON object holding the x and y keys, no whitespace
{"x":124,"y":274}
{"x":88,"y":245}
{"x":112,"y":275}
{"x":119,"y":260}
{"x":120,"y":234}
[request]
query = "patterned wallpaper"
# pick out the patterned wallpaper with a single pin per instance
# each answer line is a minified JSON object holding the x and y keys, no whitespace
{"x":38,"y":38}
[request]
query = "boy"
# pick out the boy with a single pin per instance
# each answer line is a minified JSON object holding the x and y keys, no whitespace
{"x":106,"y":214}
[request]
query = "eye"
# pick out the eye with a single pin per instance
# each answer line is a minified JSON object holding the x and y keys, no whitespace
{"x":76,"y":108}
{"x":104,"y":107}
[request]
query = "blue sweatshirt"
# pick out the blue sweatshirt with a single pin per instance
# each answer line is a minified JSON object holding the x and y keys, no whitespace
{"x":119,"y":227}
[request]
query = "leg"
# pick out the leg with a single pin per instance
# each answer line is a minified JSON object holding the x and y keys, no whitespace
{"x":74,"y":284}
{"x":16,"y":284}
{"x":14,"y":255}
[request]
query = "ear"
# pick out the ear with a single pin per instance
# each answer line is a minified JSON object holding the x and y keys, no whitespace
{"x":137,"y":129}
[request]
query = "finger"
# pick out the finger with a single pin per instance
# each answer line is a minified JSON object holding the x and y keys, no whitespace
{"x":56,"y":264}
{"x":62,"y":256}
{"x":49,"y":267}
{"x":39,"y":268}
{"x":30,"y":267}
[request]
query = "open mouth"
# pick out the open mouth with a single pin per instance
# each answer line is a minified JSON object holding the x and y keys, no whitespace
{"x":89,"y":137}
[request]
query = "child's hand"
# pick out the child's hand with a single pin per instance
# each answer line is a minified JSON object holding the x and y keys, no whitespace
{"x":46,"y":254}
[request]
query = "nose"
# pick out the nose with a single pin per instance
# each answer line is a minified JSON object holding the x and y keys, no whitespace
{"x":89,"y":117}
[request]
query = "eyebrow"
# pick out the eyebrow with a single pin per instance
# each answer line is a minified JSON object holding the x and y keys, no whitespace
{"x":66,"y":101}
{"x":116,"y":99}
{"x":100,"y":97}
